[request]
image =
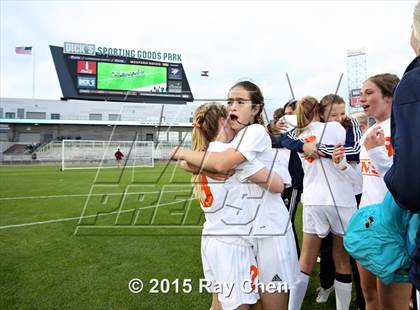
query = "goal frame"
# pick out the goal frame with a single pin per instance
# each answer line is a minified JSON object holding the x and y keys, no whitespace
{"x":107,"y":144}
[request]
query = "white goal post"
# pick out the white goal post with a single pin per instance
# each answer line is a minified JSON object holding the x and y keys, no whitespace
{"x":90,"y":154}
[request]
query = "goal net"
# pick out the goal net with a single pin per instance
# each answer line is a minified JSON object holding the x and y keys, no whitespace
{"x":88,"y":154}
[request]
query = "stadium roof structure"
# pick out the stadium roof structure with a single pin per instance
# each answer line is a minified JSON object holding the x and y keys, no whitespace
{"x":82,"y":112}
{"x":90,"y":122}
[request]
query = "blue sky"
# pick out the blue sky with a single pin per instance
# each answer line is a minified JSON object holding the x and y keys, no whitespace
{"x":234,"y":40}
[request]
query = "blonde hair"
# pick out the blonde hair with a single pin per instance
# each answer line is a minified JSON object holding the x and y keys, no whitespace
{"x":416,"y":21}
{"x":205,"y":130}
{"x":306,"y":110}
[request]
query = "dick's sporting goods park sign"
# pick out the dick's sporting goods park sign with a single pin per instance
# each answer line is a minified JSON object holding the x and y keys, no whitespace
{"x":92,"y":50}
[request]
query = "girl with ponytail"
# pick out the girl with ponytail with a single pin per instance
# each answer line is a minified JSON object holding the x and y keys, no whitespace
{"x":271,"y":230}
{"x":226,"y":248}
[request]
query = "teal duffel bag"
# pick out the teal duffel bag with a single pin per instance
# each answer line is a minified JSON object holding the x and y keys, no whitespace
{"x":381,"y":238}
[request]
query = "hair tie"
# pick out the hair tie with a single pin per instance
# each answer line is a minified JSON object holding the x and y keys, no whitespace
{"x":196,"y":125}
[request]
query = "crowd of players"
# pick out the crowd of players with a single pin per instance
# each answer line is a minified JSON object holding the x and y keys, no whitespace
{"x":359,"y":187}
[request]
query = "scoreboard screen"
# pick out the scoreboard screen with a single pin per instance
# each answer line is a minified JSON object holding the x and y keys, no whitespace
{"x":131,"y":77}
{"x":120,"y":79}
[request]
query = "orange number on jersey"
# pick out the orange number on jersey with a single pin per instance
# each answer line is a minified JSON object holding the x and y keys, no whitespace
{"x":254,"y":275}
{"x":208,"y":200}
{"x":388,"y":146}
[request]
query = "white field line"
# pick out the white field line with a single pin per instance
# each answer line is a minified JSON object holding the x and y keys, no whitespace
{"x":85,"y":195}
{"x":89,"y":216}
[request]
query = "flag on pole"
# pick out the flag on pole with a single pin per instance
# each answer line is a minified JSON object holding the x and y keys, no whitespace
{"x":24,"y":50}
{"x":204,"y":73}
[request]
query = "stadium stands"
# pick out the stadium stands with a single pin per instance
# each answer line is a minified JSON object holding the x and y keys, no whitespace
{"x":58,"y":120}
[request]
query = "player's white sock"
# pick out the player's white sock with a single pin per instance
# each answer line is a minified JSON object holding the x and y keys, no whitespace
{"x":297,"y":293}
{"x":342,"y":295}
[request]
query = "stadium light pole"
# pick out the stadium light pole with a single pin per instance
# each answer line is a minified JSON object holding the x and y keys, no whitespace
{"x":290,"y":85}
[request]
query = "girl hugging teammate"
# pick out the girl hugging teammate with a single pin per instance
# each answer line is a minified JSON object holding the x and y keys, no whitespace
{"x":328,"y":204}
{"x":227,"y":253}
{"x":270,"y":228}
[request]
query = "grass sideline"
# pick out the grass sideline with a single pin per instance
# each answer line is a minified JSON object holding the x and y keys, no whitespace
{"x":49,"y":266}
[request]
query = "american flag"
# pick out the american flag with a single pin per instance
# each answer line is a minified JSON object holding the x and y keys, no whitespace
{"x":204,"y":73}
{"x":24,"y":50}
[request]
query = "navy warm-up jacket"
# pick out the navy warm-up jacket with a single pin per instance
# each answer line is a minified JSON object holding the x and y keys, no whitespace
{"x":403,"y":178}
{"x":351,"y":146}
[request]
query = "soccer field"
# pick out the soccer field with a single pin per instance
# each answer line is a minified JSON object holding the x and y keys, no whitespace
{"x":75,"y":239}
{"x":130,"y":77}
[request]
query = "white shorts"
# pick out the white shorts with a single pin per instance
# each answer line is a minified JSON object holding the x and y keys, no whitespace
{"x":277,"y":260}
{"x":229,"y":264}
{"x":320,"y":220}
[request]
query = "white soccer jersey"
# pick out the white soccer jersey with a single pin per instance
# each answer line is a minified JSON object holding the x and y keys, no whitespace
{"x":353,"y":172}
{"x":226,"y":252}
{"x":375,"y":163}
{"x":323,"y":183}
{"x":357,"y":178}
{"x":227,"y":211}
{"x":253,"y":142}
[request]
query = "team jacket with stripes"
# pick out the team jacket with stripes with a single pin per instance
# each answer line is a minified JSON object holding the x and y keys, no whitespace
{"x":351,"y":145}
{"x":323,"y":183}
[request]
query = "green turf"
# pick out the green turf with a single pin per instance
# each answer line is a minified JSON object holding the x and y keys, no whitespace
{"x":80,"y":264}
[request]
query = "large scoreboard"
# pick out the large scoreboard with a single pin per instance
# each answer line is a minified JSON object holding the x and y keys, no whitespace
{"x":114,"y":78}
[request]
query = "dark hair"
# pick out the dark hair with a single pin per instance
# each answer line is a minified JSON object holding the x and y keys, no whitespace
{"x":277,"y":114}
{"x":291,"y":103}
{"x":256,"y":96}
{"x":386,"y":82}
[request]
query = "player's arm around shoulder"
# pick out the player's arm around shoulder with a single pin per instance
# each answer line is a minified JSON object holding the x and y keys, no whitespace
{"x":211,"y":161}
{"x":214,"y":175}
{"x":269,"y":180}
